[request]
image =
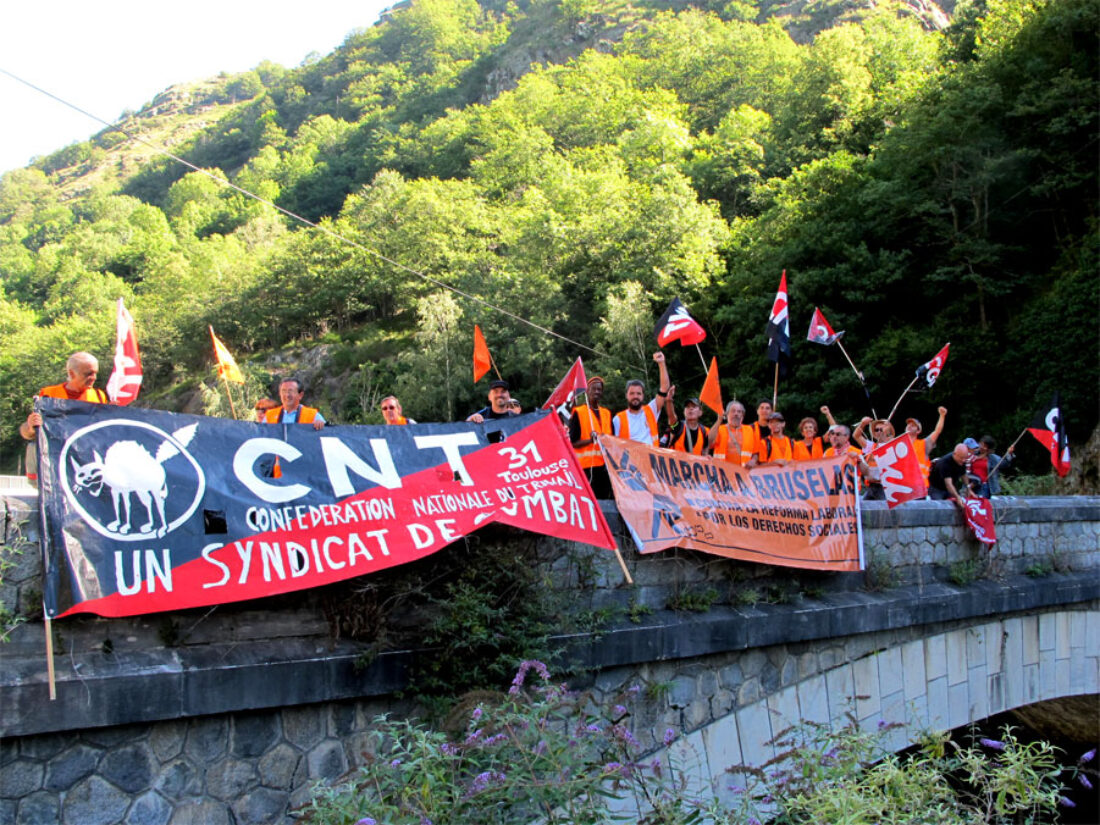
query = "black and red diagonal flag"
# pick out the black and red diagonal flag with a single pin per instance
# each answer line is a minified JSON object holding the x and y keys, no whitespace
{"x":820,"y":330}
{"x":1049,"y":428}
{"x":779,"y":327}
{"x":930,"y":370}
{"x":678,"y":325}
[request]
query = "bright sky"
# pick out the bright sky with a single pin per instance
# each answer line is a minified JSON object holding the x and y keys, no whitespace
{"x":109,"y":57}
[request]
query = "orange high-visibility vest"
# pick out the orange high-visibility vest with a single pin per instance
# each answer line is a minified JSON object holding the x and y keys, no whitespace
{"x":700,"y":441}
{"x":922,"y":458}
{"x":650,"y":419}
{"x":590,"y":456}
{"x":305,"y":415}
{"x":748,"y":445}
{"x":93,"y":396}
{"x":772,"y":448}
{"x":815,"y":450}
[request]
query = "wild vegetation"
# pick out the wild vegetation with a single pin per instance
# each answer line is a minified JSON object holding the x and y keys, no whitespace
{"x":541,"y":753}
{"x":919,"y":185}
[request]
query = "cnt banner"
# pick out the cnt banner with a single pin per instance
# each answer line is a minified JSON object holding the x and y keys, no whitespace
{"x":804,"y":514}
{"x":145,"y":511}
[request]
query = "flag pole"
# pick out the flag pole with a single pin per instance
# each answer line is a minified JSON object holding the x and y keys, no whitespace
{"x":495,"y":368}
{"x":911,"y":383}
{"x":50,"y":675}
{"x":232,"y":408}
{"x":699,"y":350}
{"x":1010,"y":446}
{"x":775,"y":387}
{"x":862,"y":380}
{"x":221,"y":371}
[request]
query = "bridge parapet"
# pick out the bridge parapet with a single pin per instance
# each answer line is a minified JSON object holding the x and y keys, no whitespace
{"x":256,"y":701}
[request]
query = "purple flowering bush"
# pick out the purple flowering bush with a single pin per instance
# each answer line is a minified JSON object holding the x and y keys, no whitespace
{"x":821,"y":775}
{"x":538,"y":754}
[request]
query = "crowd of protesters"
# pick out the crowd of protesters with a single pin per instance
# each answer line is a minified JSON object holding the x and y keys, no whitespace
{"x":972,"y":467}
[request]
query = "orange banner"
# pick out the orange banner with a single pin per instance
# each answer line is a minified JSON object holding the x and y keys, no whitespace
{"x":803,"y":514}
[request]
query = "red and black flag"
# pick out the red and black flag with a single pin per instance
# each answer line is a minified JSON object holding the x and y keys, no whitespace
{"x":1049,"y":427}
{"x":820,"y":330}
{"x":678,"y":325}
{"x":930,"y":370}
{"x":779,"y":327}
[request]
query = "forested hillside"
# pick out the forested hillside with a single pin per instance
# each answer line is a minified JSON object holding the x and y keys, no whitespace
{"x":579,"y":164}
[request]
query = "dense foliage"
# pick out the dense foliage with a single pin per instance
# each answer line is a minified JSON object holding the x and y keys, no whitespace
{"x":919,"y":186}
{"x":543,"y":754}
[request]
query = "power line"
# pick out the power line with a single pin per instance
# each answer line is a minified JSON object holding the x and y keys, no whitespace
{"x":294,"y":216}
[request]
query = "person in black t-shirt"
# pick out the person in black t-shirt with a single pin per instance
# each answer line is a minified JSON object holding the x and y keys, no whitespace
{"x":501,"y":404}
{"x":946,"y":478}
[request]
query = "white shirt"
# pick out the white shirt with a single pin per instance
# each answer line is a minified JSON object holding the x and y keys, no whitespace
{"x":637,"y":425}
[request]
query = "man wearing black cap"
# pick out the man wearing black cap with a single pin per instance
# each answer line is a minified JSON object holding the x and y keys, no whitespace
{"x":775,"y":448}
{"x":687,"y":435}
{"x":501,"y":404}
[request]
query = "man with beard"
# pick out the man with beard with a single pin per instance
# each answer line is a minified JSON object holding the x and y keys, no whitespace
{"x":732,"y":439}
{"x":501,"y":404}
{"x":587,"y":423}
{"x":638,"y":422}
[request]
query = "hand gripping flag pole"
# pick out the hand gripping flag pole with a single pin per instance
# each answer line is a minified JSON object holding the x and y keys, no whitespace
{"x":929,"y":371}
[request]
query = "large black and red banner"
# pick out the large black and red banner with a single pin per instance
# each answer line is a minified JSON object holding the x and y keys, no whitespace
{"x":145,"y":511}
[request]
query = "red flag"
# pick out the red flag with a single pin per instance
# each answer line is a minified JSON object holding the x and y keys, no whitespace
{"x":930,"y":370}
{"x":820,"y":331}
{"x":678,"y":325}
{"x":1049,"y":429}
{"x":482,"y":360}
{"x":227,"y":364}
{"x":979,"y":518}
{"x":574,"y":382}
{"x":125,"y":381}
{"x":900,"y":472}
{"x":779,"y":325}
{"x":712,"y":391}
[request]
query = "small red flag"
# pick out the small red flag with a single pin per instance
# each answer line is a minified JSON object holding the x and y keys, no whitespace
{"x":125,"y":382}
{"x":678,"y":325}
{"x":930,"y":370}
{"x":1049,"y":429}
{"x":482,"y":360}
{"x":979,"y":518}
{"x":574,"y":382}
{"x":712,"y":391}
{"x":820,"y":331}
{"x":899,"y":469}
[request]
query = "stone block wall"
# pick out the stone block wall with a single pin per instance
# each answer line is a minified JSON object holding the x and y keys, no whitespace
{"x":231,"y":714}
{"x":249,"y":768}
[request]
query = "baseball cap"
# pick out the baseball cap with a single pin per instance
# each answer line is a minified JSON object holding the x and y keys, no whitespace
{"x":499,"y":383}
{"x":970,"y":443}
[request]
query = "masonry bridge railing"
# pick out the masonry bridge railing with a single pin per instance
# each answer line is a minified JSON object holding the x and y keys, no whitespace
{"x":233,"y":714}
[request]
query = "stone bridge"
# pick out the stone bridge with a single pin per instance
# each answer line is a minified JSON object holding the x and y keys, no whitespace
{"x":230,"y":715}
